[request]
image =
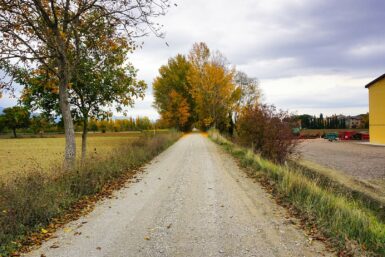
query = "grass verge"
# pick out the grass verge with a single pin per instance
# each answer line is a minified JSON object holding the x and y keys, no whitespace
{"x":338,"y":217}
{"x":30,"y":202}
{"x":364,"y":193}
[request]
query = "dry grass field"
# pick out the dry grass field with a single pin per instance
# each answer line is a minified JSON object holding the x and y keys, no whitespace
{"x":18,"y":155}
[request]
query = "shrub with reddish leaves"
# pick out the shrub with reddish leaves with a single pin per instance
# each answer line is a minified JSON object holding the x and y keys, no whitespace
{"x":267,"y":131}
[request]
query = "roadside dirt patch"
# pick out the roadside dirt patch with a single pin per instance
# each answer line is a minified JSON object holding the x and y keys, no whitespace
{"x":364,"y":162}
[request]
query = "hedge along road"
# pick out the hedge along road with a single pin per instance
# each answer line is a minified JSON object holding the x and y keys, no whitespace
{"x":192,"y":200}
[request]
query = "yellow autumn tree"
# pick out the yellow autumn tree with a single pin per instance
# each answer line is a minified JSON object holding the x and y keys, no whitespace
{"x":213,"y":89}
{"x":177,"y":112}
{"x":201,"y":88}
{"x":172,"y":93}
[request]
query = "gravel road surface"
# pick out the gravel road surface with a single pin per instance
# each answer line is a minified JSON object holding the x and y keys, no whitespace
{"x":192,"y":200}
{"x":352,"y":158}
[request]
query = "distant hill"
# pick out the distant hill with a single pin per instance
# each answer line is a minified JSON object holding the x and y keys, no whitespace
{"x":1,"y":110}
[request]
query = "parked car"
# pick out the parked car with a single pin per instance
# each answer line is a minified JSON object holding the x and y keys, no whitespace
{"x":331,"y":136}
{"x":346,"y":135}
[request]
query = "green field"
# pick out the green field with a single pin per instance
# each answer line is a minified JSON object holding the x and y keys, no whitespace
{"x":22,"y":154}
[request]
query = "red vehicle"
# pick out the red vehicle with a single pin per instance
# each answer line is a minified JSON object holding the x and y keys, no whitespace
{"x":346,"y":135}
{"x":353,"y":135}
{"x":364,"y":136}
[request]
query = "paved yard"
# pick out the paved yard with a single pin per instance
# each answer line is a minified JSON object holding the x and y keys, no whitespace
{"x":358,"y":160}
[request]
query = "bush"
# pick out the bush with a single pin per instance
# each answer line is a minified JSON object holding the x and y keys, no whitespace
{"x":267,"y":132}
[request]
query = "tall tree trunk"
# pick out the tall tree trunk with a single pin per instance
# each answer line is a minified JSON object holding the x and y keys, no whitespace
{"x":84,"y":139}
{"x":70,"y":147}
{"x":14,"y":132}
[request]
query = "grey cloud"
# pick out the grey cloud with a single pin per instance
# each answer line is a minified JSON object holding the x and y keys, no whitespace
{"x":319,"y":34}
{"x":274,"y":39}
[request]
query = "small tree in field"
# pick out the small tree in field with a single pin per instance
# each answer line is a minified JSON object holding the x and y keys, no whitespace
{"x":265,"y":130}
{"x":40,"y":123}
{"x":103,"y":78}
{"x":2,"y":124}
{"x":16,"y":117}
{"x":42,"y":33}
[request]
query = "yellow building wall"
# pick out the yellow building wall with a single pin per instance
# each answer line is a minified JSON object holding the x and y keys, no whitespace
{"x":377,"y":112}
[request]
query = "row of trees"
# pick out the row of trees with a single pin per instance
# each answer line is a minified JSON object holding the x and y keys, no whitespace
{"x":71,"y":56}
{"x":332,"y":122}
{"x":313,"y":122}
{"x":118,"y":125}
{"x":19,"y":118}
{"x":202,"y":90}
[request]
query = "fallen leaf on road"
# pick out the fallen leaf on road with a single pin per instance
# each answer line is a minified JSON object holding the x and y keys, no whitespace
{"x":54,"y":246}
{"x":146,"y":238}
{"x":98,"y":248}
{"x":67,"y":230}
{"x":169,"y":226}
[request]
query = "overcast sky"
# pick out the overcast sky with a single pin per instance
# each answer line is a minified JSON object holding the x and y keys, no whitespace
{"x":309,"y":56}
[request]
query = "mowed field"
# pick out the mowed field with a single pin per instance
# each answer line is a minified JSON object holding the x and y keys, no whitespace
{"x":24,"y":154}
{"x":355,"y":159}
{"x":350,"y":159}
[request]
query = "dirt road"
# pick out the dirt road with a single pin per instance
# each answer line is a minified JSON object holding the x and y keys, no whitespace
{"x":192,"y":200}
{"x":354,"y":159}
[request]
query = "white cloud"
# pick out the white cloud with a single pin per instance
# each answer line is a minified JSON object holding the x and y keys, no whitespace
{"x":367,"y":50}
{"x":314,"y":94}
{"x":142,"y":108}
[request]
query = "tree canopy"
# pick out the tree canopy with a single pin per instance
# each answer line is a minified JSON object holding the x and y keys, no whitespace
{"x":172,"y":92}
{"x":46,"y":35}
{"x":104,"y":78}
{"x":15,"y":117}
{"x":201,"y":90}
